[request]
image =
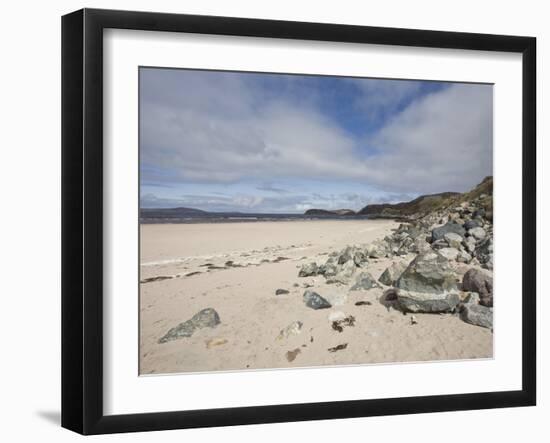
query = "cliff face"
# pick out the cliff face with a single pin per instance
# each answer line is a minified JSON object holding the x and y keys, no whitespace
{"x":429,"y":203}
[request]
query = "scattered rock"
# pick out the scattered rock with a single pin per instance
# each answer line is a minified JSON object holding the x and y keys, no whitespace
{"x":464,"y":257}
{"x":413,"y":320}
{"x":471,"y":298}
{"x":207,"y":318}
{"x":364,"y":281}
{"x":281,"y":292}
{"x":449,"y":253}
{"x":338,"y":348}
{"x":477,"y":315}
{"x":392,"y":273}
{"x":315,"y":301}
{"x":439,"y":233}
{"x":363,"y":303}
{"x":453,"y":240}
{"x":484,"y":252}
{"x":470,"y":243}
{"x":345,"y":274}
{"x":291,"y":355}
{"x":478,"y":281}
{"x":478,"y":233}
{"x":470,"y":224}
{"x":308,"y":270}
{"x":293,"y":328}
{"x":410,"y":301}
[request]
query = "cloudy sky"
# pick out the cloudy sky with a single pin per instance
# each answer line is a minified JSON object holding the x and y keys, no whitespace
{"x":226,"y":141}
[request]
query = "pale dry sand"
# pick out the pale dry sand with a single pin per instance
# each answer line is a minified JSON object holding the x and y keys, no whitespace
{"x":268,"y":256}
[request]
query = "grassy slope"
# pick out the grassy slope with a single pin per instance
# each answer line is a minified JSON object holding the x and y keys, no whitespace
{"x":429,"y":203}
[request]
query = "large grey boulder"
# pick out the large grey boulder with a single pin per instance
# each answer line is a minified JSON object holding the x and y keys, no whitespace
{"x":308,"y":270}
{"x":315,"y":301}
{"x":392,"y":273}
{"x":207,"y":318}
{"x":427,"y":302}
{"x":481,"y":282}
{"x":428,"y":272}
{"x":439,"y":233}
{"x":477,"y":315}
{"x":364,"y":281}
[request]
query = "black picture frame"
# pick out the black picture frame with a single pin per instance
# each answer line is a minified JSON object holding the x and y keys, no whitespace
{"x":82,"y":218}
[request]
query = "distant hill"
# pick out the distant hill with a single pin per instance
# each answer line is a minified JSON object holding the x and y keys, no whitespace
{"x":433,"y":202}
{"x":321,"y":212}
{"x":170,"y":212}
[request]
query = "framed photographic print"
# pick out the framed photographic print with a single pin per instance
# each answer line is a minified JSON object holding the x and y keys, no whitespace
{"x":269,"y":221}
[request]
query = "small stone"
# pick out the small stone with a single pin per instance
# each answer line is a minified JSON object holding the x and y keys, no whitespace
{"x":293,"y":328}
{"x":363,"y":303}
{"x":291,"y":355}
{"x":281,"y":292}
{"x":315,"y":301}
{"x":413,"y":320}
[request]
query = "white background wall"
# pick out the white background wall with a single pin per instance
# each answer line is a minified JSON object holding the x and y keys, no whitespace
{"x":30,"y":218}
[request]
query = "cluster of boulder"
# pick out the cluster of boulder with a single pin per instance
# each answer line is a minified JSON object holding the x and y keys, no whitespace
{"x":443,"y":263}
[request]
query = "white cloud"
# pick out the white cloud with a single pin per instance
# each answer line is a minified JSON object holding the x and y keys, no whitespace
{"x":214,"y":128}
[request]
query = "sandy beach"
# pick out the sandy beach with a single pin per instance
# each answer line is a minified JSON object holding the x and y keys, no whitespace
{"x":236,"y":269}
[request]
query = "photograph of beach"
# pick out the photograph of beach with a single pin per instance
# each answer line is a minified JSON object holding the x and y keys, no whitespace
{"x":298,"y":221}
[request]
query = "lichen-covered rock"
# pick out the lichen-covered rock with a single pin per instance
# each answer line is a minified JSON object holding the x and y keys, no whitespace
{"x":315,"y":301}
{"x":207,"y":318}
{"x":392,"y":273}
{"x":364,"y":281}
{"x":477,"y":315}
{"x":308,"y":270}
{"x":429,"y":272}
